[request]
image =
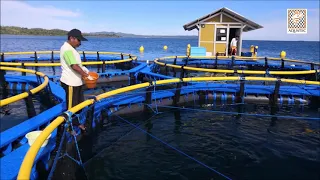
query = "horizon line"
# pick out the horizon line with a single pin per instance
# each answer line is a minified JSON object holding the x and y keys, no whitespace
{"x":132,"y":34}
{"x":164,"y":36}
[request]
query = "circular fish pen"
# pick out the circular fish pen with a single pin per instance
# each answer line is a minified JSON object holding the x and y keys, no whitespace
{"x":236,"y":119}
{"x":247,"y":67}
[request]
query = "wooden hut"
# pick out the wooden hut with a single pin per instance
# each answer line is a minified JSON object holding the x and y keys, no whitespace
{"x":216,"y":30}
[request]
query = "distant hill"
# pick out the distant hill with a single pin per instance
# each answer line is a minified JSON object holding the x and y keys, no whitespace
{"x":14,"y":30}
{"x":146,"y":36}
{"x":58,"y":32}
{"x":118,"y":33}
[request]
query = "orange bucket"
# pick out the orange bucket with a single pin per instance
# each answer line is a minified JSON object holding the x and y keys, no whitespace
{"x":92,"y":83}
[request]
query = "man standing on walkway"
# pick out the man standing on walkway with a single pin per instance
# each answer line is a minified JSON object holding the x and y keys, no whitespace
{"x":234,"y":45}
{"x":72,"y":69}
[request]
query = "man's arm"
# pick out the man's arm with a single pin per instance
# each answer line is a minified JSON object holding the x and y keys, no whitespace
{"x":71,"y":61}
{"x":77,"y":68}
{"x":85,"y":69}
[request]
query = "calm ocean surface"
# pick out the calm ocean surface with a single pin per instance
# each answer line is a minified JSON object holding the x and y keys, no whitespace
{"x":153,"y":47}
{"x":245,"y":147}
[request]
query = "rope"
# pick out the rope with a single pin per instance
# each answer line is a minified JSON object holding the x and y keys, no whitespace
{"x":78,"y":116}
{"x":181,"y":152}
{"x":120,"y":138}
{"x":57,"y":155}
{"x":79,"y":162}
{"x":77,"y":147}
{"x":246,"y":114}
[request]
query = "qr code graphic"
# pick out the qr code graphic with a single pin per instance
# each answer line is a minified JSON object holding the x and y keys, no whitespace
{"x":297,"y":21}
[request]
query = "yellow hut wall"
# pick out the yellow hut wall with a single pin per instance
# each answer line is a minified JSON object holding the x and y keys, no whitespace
{"x":207,"y":33}
{"x":209,"y":46}
{"x":207,"y":37}
{"x":214,"y":19}
{"x":227,"y":19}
{"x":221,"y":47}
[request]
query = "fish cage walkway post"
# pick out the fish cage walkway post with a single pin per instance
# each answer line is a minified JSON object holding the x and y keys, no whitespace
{"x":3,"y":84}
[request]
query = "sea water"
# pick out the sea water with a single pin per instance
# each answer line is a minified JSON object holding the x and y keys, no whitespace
{"x":153,"y":47}
{"x":244,"y":147}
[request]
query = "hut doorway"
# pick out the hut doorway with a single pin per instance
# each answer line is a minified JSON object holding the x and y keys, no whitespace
{"x":233,"y":32}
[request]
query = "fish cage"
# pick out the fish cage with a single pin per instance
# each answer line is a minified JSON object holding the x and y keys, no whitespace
{"x":190,"y":96}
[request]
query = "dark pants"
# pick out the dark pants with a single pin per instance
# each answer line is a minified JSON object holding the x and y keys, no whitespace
{"x":74,"y":96}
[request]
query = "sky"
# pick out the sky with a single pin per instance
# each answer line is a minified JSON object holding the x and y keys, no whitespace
{"x":156,"y":17}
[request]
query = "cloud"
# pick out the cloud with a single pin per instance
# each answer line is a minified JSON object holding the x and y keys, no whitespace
{"x":17,"y":13}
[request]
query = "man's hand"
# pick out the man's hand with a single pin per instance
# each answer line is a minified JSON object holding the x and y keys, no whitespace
{"x":85,"y":69}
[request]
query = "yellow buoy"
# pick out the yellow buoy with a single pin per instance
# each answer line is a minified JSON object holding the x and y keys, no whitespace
{"x":165,"y":47}
{"x":252,"y":48}
{"x":141,"y":48}
{"x":283,"y":54}
{"x":188,"y":49}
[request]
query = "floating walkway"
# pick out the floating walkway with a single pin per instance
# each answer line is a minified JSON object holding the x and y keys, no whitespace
{"x":244,"y":64}
{"x":144,"y":87}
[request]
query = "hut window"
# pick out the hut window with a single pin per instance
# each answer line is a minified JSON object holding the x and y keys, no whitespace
{"x":221,"y":34}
